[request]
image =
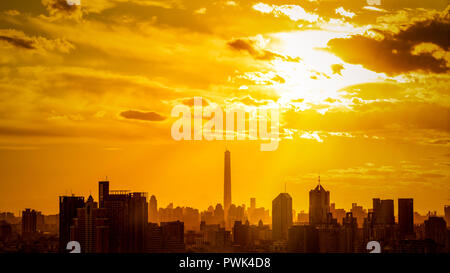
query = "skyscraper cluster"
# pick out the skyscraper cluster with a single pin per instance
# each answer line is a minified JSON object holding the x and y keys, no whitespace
{"x":118,"y":223}
{"x":124,"y":222}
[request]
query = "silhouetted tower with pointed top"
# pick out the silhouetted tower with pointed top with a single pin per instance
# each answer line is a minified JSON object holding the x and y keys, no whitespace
{"x":227,"y":185}
{"x":319,"y":205}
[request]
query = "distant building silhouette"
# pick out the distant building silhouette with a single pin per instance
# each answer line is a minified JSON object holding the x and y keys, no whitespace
{"x":241,"y":234}
{"x":436,"y":230}
{"x":227,"y":187}
{"x":256,"y":214}
{"x":406,"y":216}
{"x":68,"y":206}
{"x":153,"y":238}
{"x":153,"y":210}
{"x":319,"y":205}
{"x":173,"y":236}
{"x":281,"y":216}
{"x":6,"y":230}
{"x":303,"y":239}
{"x":219,"y":214}
{"x":348,"y":235}
{"x":214,"y":236}
{"x":339,"y":214}
{"x":29,"y":222}
{"x":359,"y":213}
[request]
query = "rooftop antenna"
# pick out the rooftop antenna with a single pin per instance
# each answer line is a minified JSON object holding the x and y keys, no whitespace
{"x":319,"y":179}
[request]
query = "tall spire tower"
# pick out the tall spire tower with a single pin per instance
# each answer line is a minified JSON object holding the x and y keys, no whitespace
{"x":227,"y":185}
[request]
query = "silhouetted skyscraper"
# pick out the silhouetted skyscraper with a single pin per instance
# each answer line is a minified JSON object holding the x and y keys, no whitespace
{"x":68,"y":206}
{"x":29,"y":220}
{"x":319,"y":205}
{"x":406,"y":216}
{"x":103,"y":192}
{"x":227,"y":185}
{"x":91,"y":228}
{"x":128,"y":217}
{"x":281,"y":216}
{"x":153,"y":210}
{"x":138,"y":218}
{"x":116,"y":203}
{"x":383,"y":212}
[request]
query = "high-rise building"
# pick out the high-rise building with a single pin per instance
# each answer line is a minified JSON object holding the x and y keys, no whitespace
{"x":154,"y":238}
{"x":348,"y":233}
{"x":406,"y":216}
{"x":116,"y":204}
{"x":383,"y":212}
{"x":153,"y":210}
{"x":252,"y":203}
{"x":128,"y":218}
{"x":227,"y":185}
{"x":103,"y":192}
{"x":68,"y":206}
{"x":138,"y":219}
{"x":281,"y":216}
{"x":319,"y":205}
{"x":29,"y":220}
{"x":91,"y":228}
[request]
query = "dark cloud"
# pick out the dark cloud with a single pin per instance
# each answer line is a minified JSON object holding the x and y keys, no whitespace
{"x":148,"y":116}
{"x":18,"y":42}
{"x":337,"y":68}
{"x":435,"y":31}
{"x":259,"y":54}
{"x":32,"y":132}
{"x":59,"y":5}
{"x":393,"y":53}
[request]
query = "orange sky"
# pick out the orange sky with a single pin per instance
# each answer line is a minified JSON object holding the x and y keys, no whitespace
{"x":87,"y":91}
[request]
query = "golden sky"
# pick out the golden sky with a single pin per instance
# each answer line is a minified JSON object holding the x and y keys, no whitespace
{"x":87,"y":91}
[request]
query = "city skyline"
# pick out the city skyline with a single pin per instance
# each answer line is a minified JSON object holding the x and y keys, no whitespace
{"x":319,"y":199}
{"x":125,"y":221}
{"x":87,"y":90}
{"x":227,"y":188}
